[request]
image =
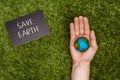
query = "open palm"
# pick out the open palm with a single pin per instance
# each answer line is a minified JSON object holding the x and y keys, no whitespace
{"x":80,"y":28}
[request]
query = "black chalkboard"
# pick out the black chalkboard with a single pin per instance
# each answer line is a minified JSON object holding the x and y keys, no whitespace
{"x":27,"y":28}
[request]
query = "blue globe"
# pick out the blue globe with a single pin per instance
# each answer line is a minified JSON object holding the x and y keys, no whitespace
{"x":82,"y":44}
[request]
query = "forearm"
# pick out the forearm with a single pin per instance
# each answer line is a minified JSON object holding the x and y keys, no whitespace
{"x":81,"y":71}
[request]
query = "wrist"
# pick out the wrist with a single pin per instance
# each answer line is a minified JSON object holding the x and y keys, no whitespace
{"x":75,"y":65}
{"x":80,"y":71}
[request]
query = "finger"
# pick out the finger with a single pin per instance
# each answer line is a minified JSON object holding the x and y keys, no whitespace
{"x":72,"y":31}
{"x":87,"y":28}
{"x":93,"y":40}
{"x":76,"y":23}
{"x":81,"y":25}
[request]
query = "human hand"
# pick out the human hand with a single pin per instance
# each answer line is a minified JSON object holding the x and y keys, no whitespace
{"x":80,"y":28}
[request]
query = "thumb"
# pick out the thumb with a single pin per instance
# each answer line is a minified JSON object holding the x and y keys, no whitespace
{"x":93,"y":41}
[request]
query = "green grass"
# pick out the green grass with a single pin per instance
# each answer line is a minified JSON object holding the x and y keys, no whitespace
{"x":49,"y":58}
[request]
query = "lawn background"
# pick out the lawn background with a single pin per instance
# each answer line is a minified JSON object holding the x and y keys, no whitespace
{"x":49,"y":58}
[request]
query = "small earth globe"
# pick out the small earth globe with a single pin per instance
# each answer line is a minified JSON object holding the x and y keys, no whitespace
{"x":82,"y":44}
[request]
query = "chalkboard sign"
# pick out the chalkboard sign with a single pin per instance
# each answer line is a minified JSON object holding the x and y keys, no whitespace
{"x":27,"y":28}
